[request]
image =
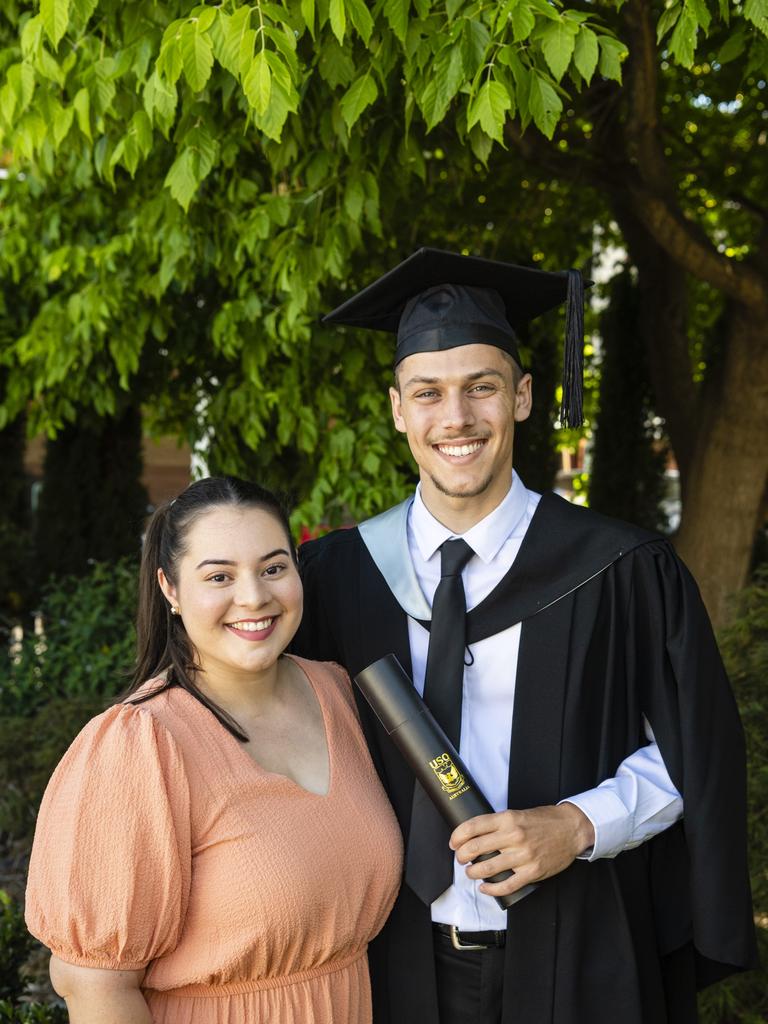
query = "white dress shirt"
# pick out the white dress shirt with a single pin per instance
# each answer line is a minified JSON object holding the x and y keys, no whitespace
{"x":639,"y":802}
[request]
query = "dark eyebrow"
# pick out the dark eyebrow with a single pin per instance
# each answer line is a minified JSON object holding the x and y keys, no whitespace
{"x":228,"y":561}
{"x":488,"y":372}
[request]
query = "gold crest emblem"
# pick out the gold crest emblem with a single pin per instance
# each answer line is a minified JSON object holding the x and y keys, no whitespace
{"x":451,"y":779}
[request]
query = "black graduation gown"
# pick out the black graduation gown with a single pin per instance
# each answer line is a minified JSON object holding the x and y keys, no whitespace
{"x":612,"y":628}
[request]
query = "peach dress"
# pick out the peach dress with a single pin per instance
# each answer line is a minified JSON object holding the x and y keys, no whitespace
{"x":162,"y":844}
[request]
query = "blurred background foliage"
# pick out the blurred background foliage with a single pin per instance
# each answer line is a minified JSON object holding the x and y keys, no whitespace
{"x":189,"y":186}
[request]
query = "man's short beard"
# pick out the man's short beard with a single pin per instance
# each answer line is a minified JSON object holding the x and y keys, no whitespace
{"x":480,"y":489}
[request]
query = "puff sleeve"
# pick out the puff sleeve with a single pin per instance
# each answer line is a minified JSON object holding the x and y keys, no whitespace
{"x":110,"y":869}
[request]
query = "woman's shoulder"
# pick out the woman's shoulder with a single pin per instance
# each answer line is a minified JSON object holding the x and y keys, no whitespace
{"x":325,"y":673}
{"x":122,"y":733}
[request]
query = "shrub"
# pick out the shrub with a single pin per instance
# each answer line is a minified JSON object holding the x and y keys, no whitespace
{"x":15,"y":946}
{"x":31,"y":1013}
{"x":87,"y":644}
{"x":743,"y":999}
{"x":59,"y":680}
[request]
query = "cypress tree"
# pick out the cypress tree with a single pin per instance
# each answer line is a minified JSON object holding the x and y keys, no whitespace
{"x":15,"y":533}
{"x":628,"y":459}
{"x":92,"y":504}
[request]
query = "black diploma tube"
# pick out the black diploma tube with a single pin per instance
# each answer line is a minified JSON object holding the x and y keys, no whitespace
{"x":428,"y":751}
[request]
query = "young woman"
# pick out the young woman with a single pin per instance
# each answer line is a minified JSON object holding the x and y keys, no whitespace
{"x":216,"y":849}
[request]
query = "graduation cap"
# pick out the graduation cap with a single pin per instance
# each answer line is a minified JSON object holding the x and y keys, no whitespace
{"x":436,"y":300}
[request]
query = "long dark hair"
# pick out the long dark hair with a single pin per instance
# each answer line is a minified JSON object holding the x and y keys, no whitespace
{"x":162,"y":645}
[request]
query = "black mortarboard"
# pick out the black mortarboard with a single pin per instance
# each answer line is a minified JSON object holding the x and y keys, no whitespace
{"x":437,"y":300}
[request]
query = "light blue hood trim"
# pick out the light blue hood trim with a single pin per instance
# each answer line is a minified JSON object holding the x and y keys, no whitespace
{"x":386,"y":537}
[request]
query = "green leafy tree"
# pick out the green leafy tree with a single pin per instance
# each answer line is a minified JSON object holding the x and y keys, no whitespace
{"x":199,"y":181}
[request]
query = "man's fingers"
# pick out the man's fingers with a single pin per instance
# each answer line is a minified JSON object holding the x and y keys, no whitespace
{"x":517,"y":881}
{"x":492,"y":866}
{"x":478,"y":826}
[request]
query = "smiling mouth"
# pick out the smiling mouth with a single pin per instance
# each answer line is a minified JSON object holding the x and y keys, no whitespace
{"x":457,"y":451}
{"x":251,"y":625}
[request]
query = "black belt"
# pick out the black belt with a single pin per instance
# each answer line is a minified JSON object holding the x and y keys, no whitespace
{"x":470,"y":940}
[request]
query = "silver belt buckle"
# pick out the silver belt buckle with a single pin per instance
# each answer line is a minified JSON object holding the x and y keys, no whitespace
{"x":458,"y":944}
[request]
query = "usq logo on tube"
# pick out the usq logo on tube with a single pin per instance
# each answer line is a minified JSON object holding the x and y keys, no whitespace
{"x":451,"y":779}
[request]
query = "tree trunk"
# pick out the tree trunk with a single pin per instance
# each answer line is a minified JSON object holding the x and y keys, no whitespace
{"x":727,"y":477}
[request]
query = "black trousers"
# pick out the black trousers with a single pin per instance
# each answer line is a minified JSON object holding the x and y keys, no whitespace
{"x":469,"y":983}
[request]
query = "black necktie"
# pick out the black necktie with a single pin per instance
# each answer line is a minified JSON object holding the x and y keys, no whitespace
{"x":429,"y":859}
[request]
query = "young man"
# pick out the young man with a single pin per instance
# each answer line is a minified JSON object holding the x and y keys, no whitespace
{"x":569,"y":658}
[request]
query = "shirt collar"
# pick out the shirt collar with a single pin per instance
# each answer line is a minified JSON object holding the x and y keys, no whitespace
{"x":485,"y":538}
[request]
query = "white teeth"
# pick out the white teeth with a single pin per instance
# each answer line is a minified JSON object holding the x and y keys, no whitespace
{"x":252,"y":627}
{"x":460,"y":449}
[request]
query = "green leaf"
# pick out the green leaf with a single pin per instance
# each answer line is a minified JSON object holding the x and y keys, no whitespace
{"x":396,"y":12}
{"x":82,"y":10}
{"x":558,"y":39}
{"x":191,"y":166}
{"x":61,"y":125}
{"x":48,"y":67}
{"x":170,"y":62}
{"x":354,"y":197}
{"x":545,"y":105}
{"x":196,"y":55}
{"x":247,"y":44}
{"x":55,"y":15}
{"x":7,"y":104}
{"x":257,"y":84}
{"x":446,"y":77}
{"x":682,"y":44}
{"x":335,"y":64}
{"x":141,"y":127}
{"x":361,"y":94}
{"x":480,"y":143}
{"x":360,"y":17}
{"x":21,"y":78}
{"x":733,"y":47}
{"x":31,"y":36}
{"x":233,"y":29}
{"x":82,"y":105}
{"x":101,"y":87}
{"x":667,"y":20}
{"x":490,"y":107}
{"x":338,"y":17}
{"x":286,"y":44}
{"x":205,"y":18}
{"x":756,"y":12}
{"x":522,"y":23}
{"x":585,"y":53}
{"x":700,"y":11}
{"x":475,"y":39}
{"x":160,"y":100}
{"x":308,"y":14}
{"x":612,"y":52}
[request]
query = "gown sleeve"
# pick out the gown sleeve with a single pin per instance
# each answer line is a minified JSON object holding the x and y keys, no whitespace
{"x":110,"y":868}
{"x":694,"y":717}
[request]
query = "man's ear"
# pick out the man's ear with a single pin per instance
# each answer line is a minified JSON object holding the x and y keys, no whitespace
{"x":523,"y":398}
{"x":397,"y":409}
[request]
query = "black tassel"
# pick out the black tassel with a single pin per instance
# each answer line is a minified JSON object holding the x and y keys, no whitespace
{"x":571,"y":409}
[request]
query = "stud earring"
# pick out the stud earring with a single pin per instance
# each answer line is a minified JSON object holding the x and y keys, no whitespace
{"x":175,"y":610}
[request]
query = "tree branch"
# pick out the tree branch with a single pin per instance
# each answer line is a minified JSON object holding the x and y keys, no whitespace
{"x":650,"y":189}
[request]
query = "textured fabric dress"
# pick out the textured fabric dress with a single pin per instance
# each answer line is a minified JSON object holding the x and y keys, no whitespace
{"x":162,"y":844}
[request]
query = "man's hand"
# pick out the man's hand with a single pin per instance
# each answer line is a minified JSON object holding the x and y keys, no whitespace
{"x":535,"y":844}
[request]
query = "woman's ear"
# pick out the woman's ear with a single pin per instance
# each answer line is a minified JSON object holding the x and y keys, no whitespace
{"x":168,"y":589}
